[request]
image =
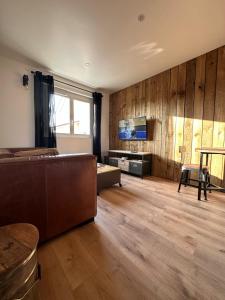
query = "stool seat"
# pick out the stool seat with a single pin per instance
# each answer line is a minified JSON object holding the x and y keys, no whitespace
{"x":193,"y":167}
{"x":18,"y":260}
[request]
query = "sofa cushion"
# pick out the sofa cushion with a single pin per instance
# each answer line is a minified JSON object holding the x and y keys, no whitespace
{"x":37,"y":152}
{"x":5,"y":153}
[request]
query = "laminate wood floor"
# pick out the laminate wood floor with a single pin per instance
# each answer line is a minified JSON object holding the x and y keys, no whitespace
{"x":147,"y":242}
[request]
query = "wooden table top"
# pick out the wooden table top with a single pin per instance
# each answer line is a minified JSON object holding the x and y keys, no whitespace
{"x":106,"y":169}
{"x":212,"y":150}
{"x":17,"y":243}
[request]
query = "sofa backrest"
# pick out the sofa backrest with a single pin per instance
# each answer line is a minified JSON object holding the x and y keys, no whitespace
{"x":54,"y":193}
{"x":6,"y":153}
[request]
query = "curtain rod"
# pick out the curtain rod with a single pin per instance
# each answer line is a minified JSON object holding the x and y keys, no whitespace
{"x":77,"y":87}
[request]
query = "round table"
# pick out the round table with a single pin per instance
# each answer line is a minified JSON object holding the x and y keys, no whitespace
{"x":19,"y":270}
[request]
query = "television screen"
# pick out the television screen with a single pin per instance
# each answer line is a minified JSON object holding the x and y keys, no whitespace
{"x":133,"y":129}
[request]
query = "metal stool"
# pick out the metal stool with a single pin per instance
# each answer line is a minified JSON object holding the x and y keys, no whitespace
{"x":186,"y":171}
{"x":185,"y":177}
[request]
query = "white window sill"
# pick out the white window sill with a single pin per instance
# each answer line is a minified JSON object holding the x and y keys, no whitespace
{"x":73,"y":136}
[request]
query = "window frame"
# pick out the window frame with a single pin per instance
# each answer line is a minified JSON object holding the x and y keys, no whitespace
{"x":74,"y":96}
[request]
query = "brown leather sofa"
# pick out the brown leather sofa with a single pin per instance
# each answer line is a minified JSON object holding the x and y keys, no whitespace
{"x":55,"y":193}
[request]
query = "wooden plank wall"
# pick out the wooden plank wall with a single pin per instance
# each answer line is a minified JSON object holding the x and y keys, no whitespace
{"x":185,"y":106}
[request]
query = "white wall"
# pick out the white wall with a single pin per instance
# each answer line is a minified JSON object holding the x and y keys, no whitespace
{"x":16,"y":105}
{"x":17,"y":111}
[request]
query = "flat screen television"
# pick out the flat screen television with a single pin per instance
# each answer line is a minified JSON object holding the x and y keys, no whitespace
{"x":133,"y":129}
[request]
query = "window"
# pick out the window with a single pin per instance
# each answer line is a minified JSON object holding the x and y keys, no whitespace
{"x":62,"y":109}
{"x":81,"y":117}
{"x":73,"y":115}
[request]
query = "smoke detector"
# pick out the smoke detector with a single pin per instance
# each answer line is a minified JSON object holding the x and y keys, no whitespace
{"x":141,"y":18}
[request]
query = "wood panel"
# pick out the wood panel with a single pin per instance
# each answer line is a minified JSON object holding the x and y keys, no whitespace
{"x":158,"y":126}
{"x":219,"y":117}
{"x":171,"y":124}
{"x":209,"y":100}
{"x":185,"y":109}
{"x":189,"y":111}
{"x":198,"y":108}
{"x":179,"y":135}
{"x":167,"y":128}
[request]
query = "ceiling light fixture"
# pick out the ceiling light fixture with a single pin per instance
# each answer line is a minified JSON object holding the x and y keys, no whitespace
{"x":87,"y":64}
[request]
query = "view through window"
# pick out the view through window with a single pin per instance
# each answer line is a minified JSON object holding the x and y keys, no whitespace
{"x":73,"y":116}
{"x":81,"y":113}
{"x":62,"y":109}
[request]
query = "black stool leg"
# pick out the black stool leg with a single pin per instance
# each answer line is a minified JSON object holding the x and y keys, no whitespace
{"x":186,"y":177}
{"x":205,"y":191}
{"x":209,"y":182}
{"x":205,"y":183}
{"x":181,"y":180}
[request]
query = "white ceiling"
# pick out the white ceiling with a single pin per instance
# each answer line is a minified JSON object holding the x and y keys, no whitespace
{"x":64,"y":35}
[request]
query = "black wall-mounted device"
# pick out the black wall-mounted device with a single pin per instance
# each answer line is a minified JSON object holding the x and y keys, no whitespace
{"x":25,"y":80}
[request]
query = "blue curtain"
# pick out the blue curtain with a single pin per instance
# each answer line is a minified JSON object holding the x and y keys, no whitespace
{"x":97,"y":101}
{"x":44,"y":111}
